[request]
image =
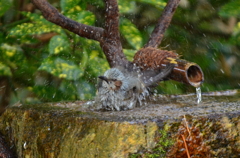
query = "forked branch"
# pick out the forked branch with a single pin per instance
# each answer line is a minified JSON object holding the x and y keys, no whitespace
{"x":162,"y":25}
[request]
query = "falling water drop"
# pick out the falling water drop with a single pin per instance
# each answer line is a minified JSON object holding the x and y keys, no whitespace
{"x":199,"y":95}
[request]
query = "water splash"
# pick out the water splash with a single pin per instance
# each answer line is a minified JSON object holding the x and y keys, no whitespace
{"x":199,"y":95}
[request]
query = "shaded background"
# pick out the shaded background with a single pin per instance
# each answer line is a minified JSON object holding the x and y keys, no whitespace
{"x":41,"y":62}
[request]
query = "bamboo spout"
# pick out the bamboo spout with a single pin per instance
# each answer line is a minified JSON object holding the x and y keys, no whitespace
{"x":185,"y":71}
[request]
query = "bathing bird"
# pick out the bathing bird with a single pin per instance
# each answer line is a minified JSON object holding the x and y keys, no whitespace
{"x":121,"y":89}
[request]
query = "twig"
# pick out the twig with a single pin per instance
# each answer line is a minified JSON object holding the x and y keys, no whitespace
{"x":187,"y":125}
{"x":163,"y":23}
{"x":51,"y":14}
{"x":185,"y":144}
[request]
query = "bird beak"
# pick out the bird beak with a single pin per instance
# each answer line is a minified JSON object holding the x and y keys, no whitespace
{"x":103,"y":78}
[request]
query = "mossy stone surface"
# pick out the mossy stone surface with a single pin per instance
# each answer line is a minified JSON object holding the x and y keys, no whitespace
{"x":68,"y":129}
{"x":41,"y":131}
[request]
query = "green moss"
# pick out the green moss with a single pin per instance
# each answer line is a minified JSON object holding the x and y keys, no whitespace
{"x":164,"y":142}
{"x":134,"y":155}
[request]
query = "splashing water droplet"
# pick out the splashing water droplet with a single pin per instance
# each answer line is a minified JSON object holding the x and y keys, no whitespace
{"x":199,"y":95}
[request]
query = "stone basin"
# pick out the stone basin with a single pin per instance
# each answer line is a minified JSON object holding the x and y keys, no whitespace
{"x":69,"y":129}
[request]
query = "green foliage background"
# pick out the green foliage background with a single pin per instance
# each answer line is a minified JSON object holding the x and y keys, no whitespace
{"x":43,"y":62}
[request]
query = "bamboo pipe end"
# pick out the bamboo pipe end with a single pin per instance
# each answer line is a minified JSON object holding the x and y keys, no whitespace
{"x":195,"y":75}
{"x":185,"y":72}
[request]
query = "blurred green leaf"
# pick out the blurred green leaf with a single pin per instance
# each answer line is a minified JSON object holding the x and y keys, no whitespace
{"x":235,"y":40}
{"x":131,"y":33}
{"x":81,"y":16}
{"x":97,"y":3}
{"x":84,"y":60}
{"x":8,"y":50}
{"x":126,"y":6}
{"x":32,"y":29}
{"x":85,"y":90}
{"x":86,"y":17}
{"x":5,"y":70}
{"x":97,"y":65}
{"x":230,"y":9}
{"x":67,"y":5}
{"x":37,"y":18}
{"x":12,"y":55}
{"x":157,"y":3}
{"x":170,"y":87}
{"x":4,"y":6}
{"x":58,"y":44}
{"x":51,"y":93}
{"x":2,"y":37}
{"x":61,"y":68}
{"x":39,"y":26}
{"x":129,"y":53}
{"x":70,"y":89}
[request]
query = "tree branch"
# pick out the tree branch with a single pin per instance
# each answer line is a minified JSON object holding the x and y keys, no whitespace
{"x":111,"y":44}
{"x":51,"y":14}
{"x":163,"y":23}
{"x":112,"y":20}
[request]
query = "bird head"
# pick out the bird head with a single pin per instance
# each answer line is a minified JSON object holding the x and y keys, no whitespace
{"x":112,"y":79}
{"x":111,"y":84}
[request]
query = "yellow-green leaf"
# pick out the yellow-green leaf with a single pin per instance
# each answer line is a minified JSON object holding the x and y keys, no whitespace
{"x":129,"y":53}
{"x":157,"y":3}
{"x":69,"y":4}
{"x":126,"y":6}
{"x":61,"y":68}
{"x":131,"y":33}
{"x":5,"y":70}
{"x":58,"y":44}
{"x":38,"y":26}
{"x":81,"y":16}
{"x":5,"y":5}
{"x":230,"y":9}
